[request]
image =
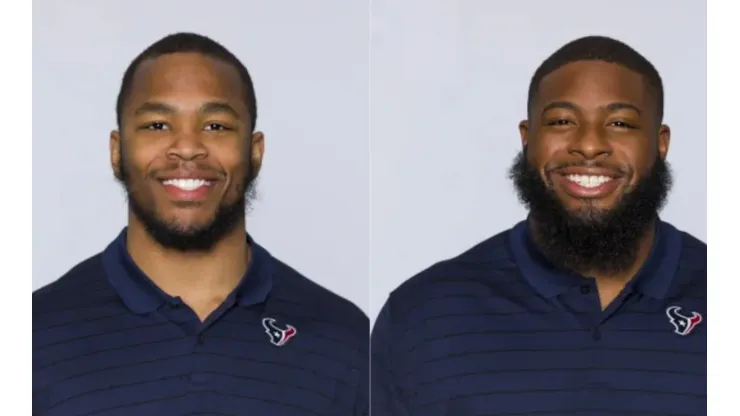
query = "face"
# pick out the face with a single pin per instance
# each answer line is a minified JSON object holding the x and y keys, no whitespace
{"x":185,"y":152}
{"x":593,"y":134}
{"x":592,"y":172}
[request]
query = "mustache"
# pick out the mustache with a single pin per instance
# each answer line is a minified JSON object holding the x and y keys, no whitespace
{"x":625,"y":170}
{"x":188,"y":166}
{"x":555,"y":166}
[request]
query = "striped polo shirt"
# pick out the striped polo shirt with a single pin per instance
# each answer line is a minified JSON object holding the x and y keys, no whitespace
{"x":499,"y":331}
{"x":107,"y":341}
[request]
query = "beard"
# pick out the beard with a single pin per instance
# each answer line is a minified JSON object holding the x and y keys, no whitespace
{"x":604,"y":241}
{"x":175,"y":236}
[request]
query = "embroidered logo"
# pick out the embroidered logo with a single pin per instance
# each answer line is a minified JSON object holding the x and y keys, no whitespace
{"x":278,"y":336}
{"x":683,"y":325}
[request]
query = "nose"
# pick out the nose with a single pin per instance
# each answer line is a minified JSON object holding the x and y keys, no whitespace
{"x":590,"y":143}
{"x":187,"y":146}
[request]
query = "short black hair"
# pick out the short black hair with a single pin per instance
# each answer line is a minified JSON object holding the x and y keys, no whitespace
{"x":183,"y":43}
{"x":599,"y":48}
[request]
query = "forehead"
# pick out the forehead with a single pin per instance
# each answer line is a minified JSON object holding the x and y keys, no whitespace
{"x":594,"y":84}
{"x":182,"y":78}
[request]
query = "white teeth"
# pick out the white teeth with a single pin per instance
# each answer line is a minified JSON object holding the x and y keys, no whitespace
{"x":588,"y":181}
{"x":187,"y":184}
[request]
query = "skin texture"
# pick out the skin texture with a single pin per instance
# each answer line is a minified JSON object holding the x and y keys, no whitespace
{"x":186,"y":116}
{"x":599,"y":116}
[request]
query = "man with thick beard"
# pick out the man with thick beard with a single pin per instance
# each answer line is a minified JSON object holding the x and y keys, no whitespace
{"x":590,"y":306}
{"x":184,"y":313}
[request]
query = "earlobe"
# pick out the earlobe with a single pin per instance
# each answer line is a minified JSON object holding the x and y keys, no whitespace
{"x":524,"y":132}
{"x":664,"y":140}
{"x":115,"y":153}
{"x":258,"y":151}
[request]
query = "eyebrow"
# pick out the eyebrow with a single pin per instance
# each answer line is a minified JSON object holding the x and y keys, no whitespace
{"x":219,"y":107}
{"x":610,"y":107}
{"x":212,"y":107}
{"x":154,"y":107}
{"x":624,"y":106}
{"x":559,"y":104}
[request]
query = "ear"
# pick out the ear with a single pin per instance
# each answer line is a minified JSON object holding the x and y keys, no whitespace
{"x":524,"y":132}
{"x":664,"y":141}
{"x":258,"y":151}
{"x":115,"y":153}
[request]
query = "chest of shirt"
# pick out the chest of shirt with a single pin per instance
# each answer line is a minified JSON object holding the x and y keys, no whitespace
{"x":502,"y":357}
{"x":152,"y":365}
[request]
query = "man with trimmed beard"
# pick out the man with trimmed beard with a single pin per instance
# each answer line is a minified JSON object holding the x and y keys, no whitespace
{"x":590,"y":306}
{"x":184,"y":313}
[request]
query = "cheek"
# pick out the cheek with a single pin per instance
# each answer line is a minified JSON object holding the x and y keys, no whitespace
{"x":139,"y":156}
{"x":237,"y":166}
{"x":639,"y":160}
{"x":539,"y":157}
{"x":131,"y":171}
{"x":135,"y":171}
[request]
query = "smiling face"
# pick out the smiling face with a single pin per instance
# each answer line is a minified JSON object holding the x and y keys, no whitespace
{"x":592,"y":134}
{"x":185,"y":152}
{"x":592,"y":172}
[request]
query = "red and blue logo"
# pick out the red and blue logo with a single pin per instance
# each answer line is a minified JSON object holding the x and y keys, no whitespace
{"x":278,"y":336}
{"x":682,"y":324}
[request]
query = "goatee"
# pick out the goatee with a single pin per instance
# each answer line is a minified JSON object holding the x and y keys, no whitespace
{"x":171,"y":235}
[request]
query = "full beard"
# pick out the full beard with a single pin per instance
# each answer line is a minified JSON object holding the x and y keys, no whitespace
{"x":604,"y":241}
{"x":173,"y":235}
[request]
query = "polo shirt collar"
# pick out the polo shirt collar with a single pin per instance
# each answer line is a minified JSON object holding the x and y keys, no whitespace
{"x":141,"y":295}
{"x":654,"y":278}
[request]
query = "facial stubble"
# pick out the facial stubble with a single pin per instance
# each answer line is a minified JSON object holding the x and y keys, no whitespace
{"x":175,"y":236}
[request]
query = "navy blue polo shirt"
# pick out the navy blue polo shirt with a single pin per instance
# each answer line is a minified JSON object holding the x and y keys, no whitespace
{"x":498,"y":331}
{"x":108,"y":341}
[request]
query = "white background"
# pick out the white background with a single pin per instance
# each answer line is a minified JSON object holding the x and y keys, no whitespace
{"x":310,"y":69}
{"x":449,"y":87}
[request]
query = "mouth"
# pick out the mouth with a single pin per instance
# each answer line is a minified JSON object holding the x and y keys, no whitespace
{"x":589,"y":181}
{"x":588,"y":185}
{"x":187,"y":189}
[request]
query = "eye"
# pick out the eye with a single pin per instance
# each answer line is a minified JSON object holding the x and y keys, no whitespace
{"x":559,"y":122}
{"x":156,"y":126}
{"x":622,"y":124}
{"x":215,"y":127}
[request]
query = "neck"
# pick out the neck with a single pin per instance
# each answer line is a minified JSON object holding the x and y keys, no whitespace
{"x":200,"y":279}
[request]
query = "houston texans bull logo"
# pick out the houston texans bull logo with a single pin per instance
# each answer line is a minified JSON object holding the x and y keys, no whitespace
{"x":278,"y":336}
{"x":683,"y":325}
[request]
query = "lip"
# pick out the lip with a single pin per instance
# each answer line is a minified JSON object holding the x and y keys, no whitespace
{"x":188,"y":195}
{"x":574,"y":190}
{"x":586,"y":171}
{"x":198,"y":194}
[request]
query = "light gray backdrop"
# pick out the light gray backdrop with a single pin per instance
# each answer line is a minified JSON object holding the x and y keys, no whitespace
{"x":309,"y":62}
{"x":449,"y":86}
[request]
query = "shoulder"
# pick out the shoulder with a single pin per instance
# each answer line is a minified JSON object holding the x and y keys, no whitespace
{"x":81,"y":295}
{"x":691,"y":267}
{"x":84,"y":278}
{"x":303,"y":297}
{"x":450,"y":288}
{"x":487,"y":263}
{"x":692,"y":255}
{"x":693,"y":251}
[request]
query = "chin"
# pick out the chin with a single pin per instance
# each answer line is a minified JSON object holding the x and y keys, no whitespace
{"x":188,"y":223}
{"x":590,"y":204}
